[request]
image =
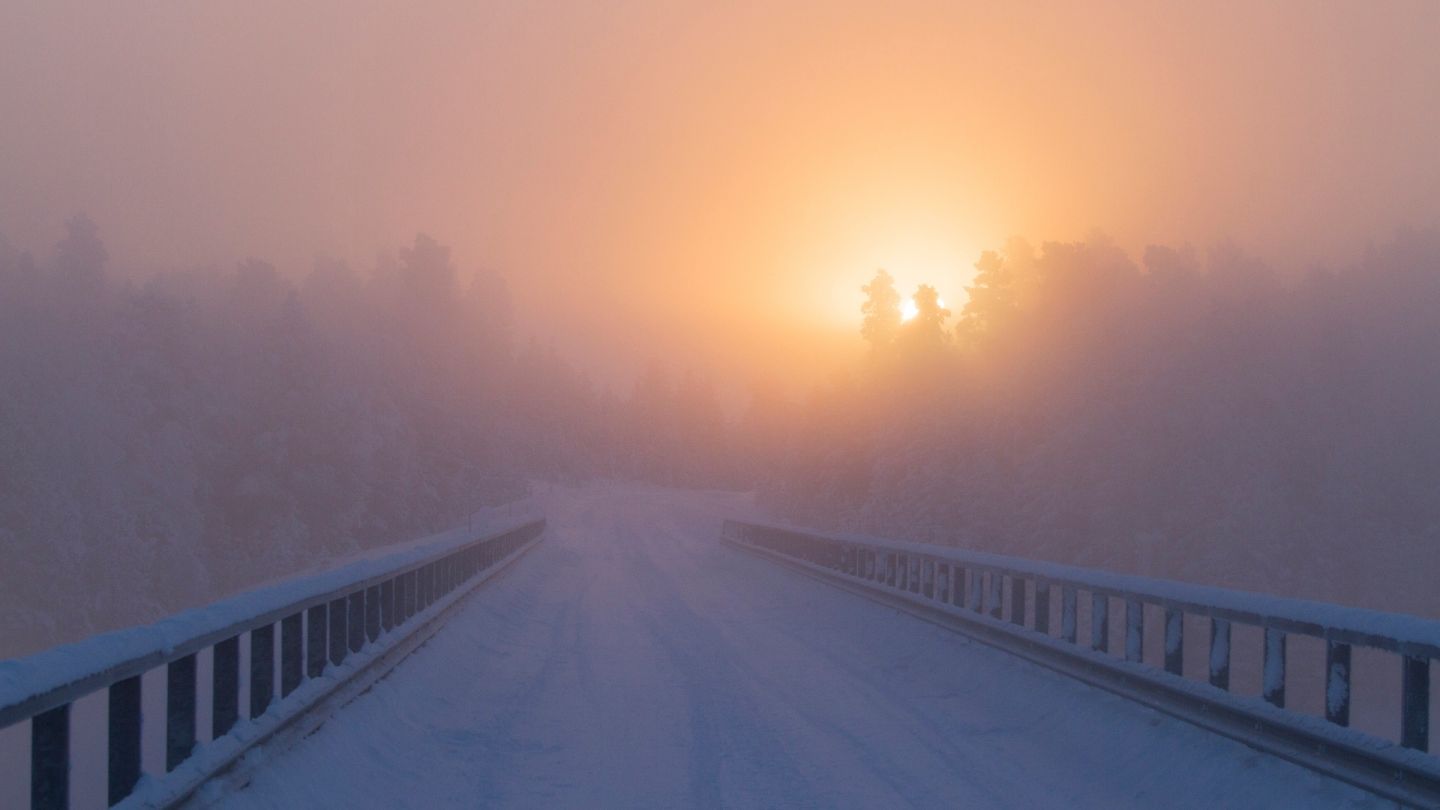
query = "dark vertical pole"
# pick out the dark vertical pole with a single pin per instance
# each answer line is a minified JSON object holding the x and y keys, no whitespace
{"x":957,"y":586}
{"x":927,"y":578}
{"x":357,"y":620}
{"x":1220,"y":653}
{"x":1042,"y":607}
{"x":1068,"y":613}
{"x":1099,"y":622}
{"x":262,"y":669}
{"x":387,"y":605}
{"x":124,"y":737}
{"x":225,"y":687}
{"x":1337,"y":683}
{"x":996,"y":603}
{"x":315,"y":627}
{"x":179,"y":711}
{"x":1273,"y":687}
{"x":1174,"y":641}
{"x":292,"y":653}
{"x":1415,"y":711}
{"x":337,"y":631}
{"x":372,"y":612}
{"x":402,"y":599}
{"x":1134,"y":630}
{"x":1017,"y":601}
{"x":50,"y":759}
{"x":892,"y":568}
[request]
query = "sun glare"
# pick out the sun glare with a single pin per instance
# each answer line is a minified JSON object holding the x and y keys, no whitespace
{"x":908,"y":310}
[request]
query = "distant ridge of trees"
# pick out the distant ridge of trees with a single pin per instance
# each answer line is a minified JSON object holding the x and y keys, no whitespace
{"x":168,"y":442}
{"x":1187,"y":416}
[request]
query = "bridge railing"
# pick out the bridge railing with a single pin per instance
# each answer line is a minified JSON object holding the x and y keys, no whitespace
{"x":1018,"y":599}
{"x":320,"y":621}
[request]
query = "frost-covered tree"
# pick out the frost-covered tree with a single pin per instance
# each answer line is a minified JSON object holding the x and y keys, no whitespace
{"x":170,"y":441}
{"x":881,"y":311}
{"x":1202,"y":418}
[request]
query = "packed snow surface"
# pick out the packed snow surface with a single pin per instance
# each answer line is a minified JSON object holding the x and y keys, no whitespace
{"x":631,"y":660}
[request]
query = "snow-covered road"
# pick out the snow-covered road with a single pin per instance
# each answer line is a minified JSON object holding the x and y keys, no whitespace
{"x":631,"y":660}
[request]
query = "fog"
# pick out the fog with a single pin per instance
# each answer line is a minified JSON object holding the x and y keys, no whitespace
{"x":283,"y":282}
{"x":1184,"y":415}
{"x":712,"y":183}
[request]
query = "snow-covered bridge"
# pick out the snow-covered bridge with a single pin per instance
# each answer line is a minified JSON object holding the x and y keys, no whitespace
{"x":628,"y":659}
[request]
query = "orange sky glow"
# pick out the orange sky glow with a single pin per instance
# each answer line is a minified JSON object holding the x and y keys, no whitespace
{"x":707,"y":183}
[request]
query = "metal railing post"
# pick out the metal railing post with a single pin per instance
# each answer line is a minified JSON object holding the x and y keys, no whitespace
{"x":1415,"y":708}
{"x":262,"y":669}
{"x":1174,"y":641}
{"x":1220,"y":654}
{"x":1017,"y":600}
{"x":124,"y":738}
{"x":1337,"y":683}
{"x":179,"y":711}
{"x":50,"y":759}
{"x":292,"y":648}
{"x":1273,"y":681}
{"x":224,"y":685}
{"x":1134,"y":631}
{"x":1099,"y":622}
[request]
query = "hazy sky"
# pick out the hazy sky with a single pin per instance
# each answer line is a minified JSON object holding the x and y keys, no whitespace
{"x":713,"y":181}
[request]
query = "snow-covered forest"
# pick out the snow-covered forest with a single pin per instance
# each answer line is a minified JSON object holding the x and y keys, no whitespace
{"x":169,"y":440}
{"x":1193,"y":415}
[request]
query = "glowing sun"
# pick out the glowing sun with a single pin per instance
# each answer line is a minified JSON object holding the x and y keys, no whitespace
{"x":908,"y":309}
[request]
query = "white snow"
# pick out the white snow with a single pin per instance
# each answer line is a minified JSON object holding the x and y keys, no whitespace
{"x":631,"y":660}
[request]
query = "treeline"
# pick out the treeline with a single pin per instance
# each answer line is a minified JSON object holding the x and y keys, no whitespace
{"x":169,"y":441}
{"x":1184,"y":416}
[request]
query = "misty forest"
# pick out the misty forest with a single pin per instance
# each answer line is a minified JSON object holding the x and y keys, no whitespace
{"x":854,"y":405}
{"x":1192,"y":415}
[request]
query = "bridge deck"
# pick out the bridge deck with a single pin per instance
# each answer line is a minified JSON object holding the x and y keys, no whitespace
{"x":632,"y":661}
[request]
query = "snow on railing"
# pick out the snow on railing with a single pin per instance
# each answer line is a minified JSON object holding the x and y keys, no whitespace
{"x":1010,"y":598}
{"x":322,"y":619}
